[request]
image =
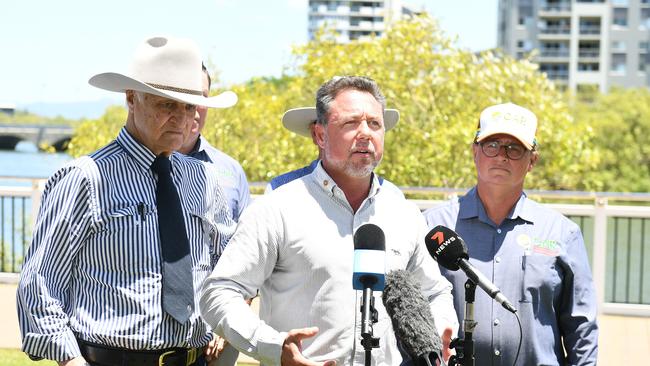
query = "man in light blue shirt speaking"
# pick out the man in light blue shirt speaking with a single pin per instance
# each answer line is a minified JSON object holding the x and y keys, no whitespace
{"x":535,"y":255}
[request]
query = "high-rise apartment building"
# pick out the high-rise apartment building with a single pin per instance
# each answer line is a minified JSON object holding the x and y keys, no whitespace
{"x":355,"y":19}
{"x":582,"y":44}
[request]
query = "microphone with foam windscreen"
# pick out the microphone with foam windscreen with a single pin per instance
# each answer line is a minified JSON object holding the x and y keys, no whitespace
{"x":411,"y":317}
{"x":450,"y":251}
{"x":368,"y":276}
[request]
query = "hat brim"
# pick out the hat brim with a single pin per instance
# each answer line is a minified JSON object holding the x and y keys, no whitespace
{"x":120,"y":83}
{"x":500,"y":132}
{"x":298,"y":120}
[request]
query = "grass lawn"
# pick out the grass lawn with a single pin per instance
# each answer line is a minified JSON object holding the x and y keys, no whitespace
{"x":14,"y":357}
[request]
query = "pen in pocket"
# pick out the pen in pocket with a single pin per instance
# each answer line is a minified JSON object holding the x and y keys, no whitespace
{"x":141,"y":211}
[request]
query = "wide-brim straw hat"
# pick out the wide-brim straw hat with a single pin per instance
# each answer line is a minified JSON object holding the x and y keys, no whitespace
{"x":168,"y":67}
{"x":298,"y":120}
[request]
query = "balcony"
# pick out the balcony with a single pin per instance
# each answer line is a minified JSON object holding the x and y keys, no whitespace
{"x":588,"y":53}
{"x":590,"y":30}
{"x":557,"y":75}
{"x":554,"y":9}
{"x":556,"y":30}
{"x":554,"y":53}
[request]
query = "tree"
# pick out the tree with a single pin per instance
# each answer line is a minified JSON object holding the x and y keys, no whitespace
{"x":620,"y":121}
{"x":439,"y":90}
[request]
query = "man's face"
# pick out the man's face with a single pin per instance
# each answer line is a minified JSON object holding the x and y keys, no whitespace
{"x":201,"y":111}
{"x":501,"y":170}
{"x":159,"y":123}
{"x":353,"y":139}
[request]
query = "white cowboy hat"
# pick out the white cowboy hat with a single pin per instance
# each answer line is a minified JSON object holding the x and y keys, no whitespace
{"x":167,"y":67}
{"x":298,"y":120}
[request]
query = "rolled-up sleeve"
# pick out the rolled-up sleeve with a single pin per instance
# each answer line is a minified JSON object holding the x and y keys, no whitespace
{"x":246,"y":263}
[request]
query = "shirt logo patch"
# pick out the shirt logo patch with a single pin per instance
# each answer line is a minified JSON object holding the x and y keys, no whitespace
{"x":537,"y":245}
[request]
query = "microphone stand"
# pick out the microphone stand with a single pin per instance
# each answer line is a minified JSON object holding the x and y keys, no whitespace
{"x":465,"y":347}
{"x":369,"y":317}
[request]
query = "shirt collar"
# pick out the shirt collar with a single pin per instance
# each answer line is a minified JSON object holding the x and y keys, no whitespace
{"x":471,"y":207}
{"x":323,"y":180}
{"x":142,"y":156}
{"x":197,"y":146}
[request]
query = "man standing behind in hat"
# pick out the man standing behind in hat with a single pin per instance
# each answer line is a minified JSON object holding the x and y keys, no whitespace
{"x":295,"y":245}
{"x":535,"y":255}
{"x":231,"y":175}
{"x":125,"y":236}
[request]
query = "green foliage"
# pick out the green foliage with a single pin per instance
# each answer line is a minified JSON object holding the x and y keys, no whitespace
{"x":90,"y":135}
{"x":620,"y":121}
{"x":439,"y":90}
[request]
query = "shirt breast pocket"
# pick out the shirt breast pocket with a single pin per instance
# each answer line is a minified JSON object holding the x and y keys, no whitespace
{"x":539,"y":278}
{"x":206,"y":234}
{"x":123,"y":235}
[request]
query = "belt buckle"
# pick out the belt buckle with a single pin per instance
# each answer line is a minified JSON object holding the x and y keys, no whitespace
{"x":161,"y":359}
{"x":191,"y":356}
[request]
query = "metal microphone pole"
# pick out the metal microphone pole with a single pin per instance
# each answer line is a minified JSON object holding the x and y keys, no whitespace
{"x":369,"y":317}
{"x":465,"y":346}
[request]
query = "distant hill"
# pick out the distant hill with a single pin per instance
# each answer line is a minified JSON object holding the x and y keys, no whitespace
{"x":71,"y":110}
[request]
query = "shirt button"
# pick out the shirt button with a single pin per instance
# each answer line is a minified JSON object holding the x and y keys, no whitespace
{"x":325,"y":183}
{"x":497,"y":352}
{"x":496,"y":322}
{"x":497,"y":259}
{"x":499,"y":231}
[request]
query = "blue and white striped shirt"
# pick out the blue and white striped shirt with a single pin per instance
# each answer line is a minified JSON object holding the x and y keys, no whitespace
{"x":93,"y":270}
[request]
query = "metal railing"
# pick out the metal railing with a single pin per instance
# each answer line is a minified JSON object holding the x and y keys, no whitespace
{"x":588,"y":53}
{"x":555,"y":30}
{"x":551,"y":7}
{"x":617,"y":237}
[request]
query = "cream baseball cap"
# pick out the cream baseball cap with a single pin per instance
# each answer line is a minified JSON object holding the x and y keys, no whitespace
{"x":509,"y":119}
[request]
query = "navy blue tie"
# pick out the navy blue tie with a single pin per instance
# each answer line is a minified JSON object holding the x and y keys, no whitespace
{"x":178,"y":290}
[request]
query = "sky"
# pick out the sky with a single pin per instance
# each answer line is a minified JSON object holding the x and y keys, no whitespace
{"x":50,"y":48}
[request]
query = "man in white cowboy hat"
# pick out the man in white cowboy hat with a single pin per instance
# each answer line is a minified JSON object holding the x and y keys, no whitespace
{"x":295,"y":246}
{"x":534,"y":255}
{"x":231,"y":175}
{"x":126,"y":235}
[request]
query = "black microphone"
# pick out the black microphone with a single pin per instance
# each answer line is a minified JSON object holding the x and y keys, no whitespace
{"x":411,"y":317}
{"x":369,"y":258}
{"x":368,"y":274}
{"x":450,"y":251}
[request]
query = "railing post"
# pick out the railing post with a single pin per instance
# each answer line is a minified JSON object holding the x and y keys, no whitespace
{"x":38,"y":186}
{"x":599,"y":249}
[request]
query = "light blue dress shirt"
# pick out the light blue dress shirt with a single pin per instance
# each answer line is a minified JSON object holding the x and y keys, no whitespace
{"x":537,"y":258}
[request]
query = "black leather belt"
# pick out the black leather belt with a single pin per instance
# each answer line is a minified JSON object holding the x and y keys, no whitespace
{"x":110,"y":356}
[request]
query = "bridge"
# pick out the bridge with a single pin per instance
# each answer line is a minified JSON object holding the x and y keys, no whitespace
{"x":57,"y":136}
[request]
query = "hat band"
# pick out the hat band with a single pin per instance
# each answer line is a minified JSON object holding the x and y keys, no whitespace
{"x":175,"y":89}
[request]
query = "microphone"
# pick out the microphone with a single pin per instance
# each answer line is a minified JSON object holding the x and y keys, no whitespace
{"x":411,"y":317}
{"x":368,"y":275}
{"x":450,"y":251}
{"x":369,"y":258}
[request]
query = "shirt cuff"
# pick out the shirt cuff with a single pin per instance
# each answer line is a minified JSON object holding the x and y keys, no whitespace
{"x":57,"y":347}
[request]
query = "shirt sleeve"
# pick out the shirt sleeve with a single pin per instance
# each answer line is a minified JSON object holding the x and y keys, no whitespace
{"x":577,"y":313}
{"x":246,"y":263}
{"x":435,"y":287}
{"x":244,"y":192}
{"x":44,"y":296}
